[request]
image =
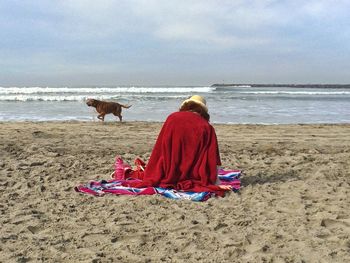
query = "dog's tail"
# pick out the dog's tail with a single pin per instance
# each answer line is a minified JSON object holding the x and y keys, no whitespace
{"x":125,"y":106}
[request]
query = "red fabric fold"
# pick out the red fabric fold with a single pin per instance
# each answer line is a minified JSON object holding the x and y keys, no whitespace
{"x":185,"y":156}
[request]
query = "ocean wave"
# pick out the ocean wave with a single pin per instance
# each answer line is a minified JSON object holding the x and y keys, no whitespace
{"x":99,"y":90}
{"x":83,"y":97}
{"x":46,"y":98}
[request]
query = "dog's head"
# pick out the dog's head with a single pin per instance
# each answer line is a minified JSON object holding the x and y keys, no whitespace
{"x":90,"y":102}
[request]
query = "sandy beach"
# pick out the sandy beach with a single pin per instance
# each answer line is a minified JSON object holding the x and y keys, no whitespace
{"x":294,"y":205}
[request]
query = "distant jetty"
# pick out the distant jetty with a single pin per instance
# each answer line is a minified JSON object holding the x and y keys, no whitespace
{"x":347,"y":86}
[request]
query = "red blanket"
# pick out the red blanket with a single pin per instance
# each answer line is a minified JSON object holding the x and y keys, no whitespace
{"x":185,"y":156}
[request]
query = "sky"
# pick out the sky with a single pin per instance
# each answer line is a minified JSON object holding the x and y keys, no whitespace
{"x":179,"y":42}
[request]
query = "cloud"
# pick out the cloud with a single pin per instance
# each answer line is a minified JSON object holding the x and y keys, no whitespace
{"x":133,"y":36}
{"x":233,"y":24}
{"x":204,"y":23}
{"x":218,"y":24}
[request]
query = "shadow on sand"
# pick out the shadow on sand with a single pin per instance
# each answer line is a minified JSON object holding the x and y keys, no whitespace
{"x":265,"y":178}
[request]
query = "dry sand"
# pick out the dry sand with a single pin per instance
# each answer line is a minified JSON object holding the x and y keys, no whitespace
{"x":294,"y":206}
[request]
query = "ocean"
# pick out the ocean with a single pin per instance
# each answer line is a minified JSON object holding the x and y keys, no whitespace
{"x":242,"y":104}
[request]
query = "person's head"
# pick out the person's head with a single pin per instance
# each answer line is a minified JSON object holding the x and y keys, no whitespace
{"x":196,"y":104}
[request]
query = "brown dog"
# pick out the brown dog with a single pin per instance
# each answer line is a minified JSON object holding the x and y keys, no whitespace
{"x":104,"y":107}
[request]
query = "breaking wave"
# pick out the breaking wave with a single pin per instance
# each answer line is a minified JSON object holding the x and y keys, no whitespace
{"x":94,"y":90}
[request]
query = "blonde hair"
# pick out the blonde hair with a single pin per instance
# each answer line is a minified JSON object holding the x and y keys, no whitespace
{"x":195,"y":107}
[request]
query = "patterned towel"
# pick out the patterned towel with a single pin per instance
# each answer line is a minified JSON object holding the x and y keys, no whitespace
{"x":100,"y":188}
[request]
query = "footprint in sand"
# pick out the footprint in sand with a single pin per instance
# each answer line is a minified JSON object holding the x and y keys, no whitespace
{"x":331,"y":223}
{"x":242,"y":223}
{"x":34,"y":229}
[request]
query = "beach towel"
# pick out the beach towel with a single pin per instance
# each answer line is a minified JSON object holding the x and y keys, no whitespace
{"x":100,"y":188}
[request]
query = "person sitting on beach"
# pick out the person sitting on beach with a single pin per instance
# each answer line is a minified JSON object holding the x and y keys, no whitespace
{"x":186,"y":153}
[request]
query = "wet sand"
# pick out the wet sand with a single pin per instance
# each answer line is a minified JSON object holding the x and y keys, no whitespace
{"x":293,"y":207}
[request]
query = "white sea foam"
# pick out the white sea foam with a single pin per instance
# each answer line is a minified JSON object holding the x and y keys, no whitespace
{"x":83,"y":97}
{"x":99,"y":90}
{"x":242,"y":86}
{"x":29,"y":97}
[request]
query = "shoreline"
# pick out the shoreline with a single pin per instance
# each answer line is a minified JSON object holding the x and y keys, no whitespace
{"x":293,"y":205}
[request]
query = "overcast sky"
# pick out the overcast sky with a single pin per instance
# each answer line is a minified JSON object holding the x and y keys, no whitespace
{"x":179,"y":42}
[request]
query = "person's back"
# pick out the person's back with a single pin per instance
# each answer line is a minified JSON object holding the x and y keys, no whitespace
{"x":185,"y":155}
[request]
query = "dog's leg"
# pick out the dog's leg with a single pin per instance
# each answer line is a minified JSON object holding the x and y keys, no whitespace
{"x":101,"y":117}
{"x":118,"y":115}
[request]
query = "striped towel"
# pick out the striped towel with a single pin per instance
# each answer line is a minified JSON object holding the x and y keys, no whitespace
{"x":100,"y":188}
